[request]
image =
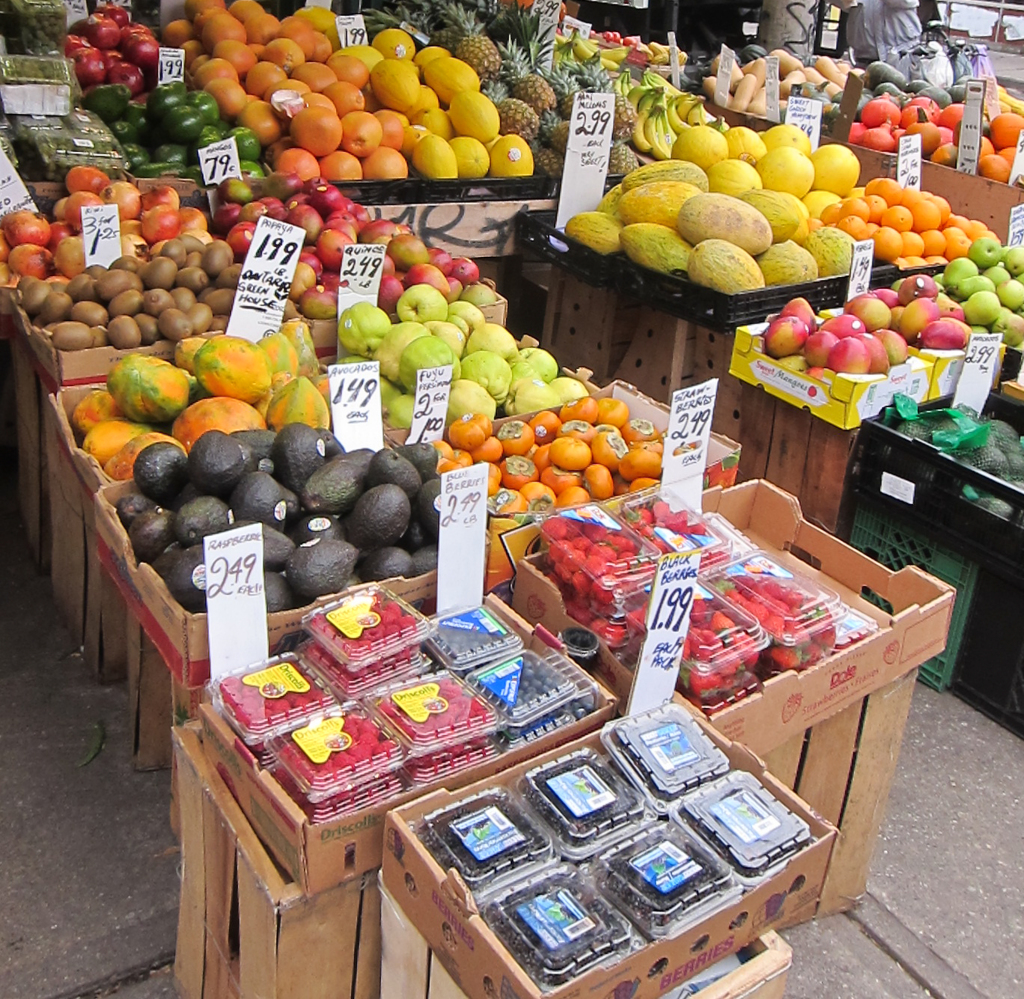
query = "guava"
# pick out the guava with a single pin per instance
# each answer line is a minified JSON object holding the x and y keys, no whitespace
{"x":400,"y":411}
{"x":543,"y":364}
{"x":450,"y":334}
{"x":389,"y":353}
{"x":569,"y":389}
{"x":388,"y":392}
{"x":494,"y":338}
{"x":489,"y":370}
{"x":425,"y":352}
{"x":468,"y":397}
{"x":361,"y":327}
{"x":529,"y":395}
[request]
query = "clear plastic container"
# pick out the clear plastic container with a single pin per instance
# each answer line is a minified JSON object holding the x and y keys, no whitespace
{"x":337,"y":752}
{"x":852,"y":626}
{"x":368,"y":625}
{"x":429,"y":767}
{"x":584,"y":801}
{"x":558,"y":926}
{"x":272,"y":697}
{"x":488,"y":838}
{"x":665,"y":754}
{"x":797,"y":613}
{"x":754,"y":831}
{"x":665,"y":880}
{"x":347,"y":685}
{"x":43,"y":26}
{"x":582,"y":704}
{"x":364,"y":795}
{"x":434,"y":712}
{"x":469,"y":638}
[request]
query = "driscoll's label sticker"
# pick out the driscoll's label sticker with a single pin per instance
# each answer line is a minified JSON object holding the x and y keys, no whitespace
{"x":582,"y":791}
{"x":487,"y":833}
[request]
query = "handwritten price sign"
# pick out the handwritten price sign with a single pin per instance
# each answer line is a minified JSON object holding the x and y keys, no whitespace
{"x":547,"y":12}
{"x":355,"y":405}
{"x":171,"y":66}
{"x":433,"y":386}
{"x":14,"y":194}
{"x":101,"y":234}
{"x":351,"y":29}
{"x":686,"y":448}
{"x":979,"y":371}
{"x":586,"y":158}
{"x":362,"y":265}
{"x":219,"y":160}
{"x":860,"y":268}
{"x":461,"y":543}
{"x":771,"y":89}
{"x":908,"y":163}
{"x":805,"y":113}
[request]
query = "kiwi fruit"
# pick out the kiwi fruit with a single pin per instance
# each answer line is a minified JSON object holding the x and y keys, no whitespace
{"x":217,"y":256}
{"x":195,"y":279}
{"x":194,"y":259}
{"x":220,"y":301}
{"x":183,"y":298}
{"x":229,"y":276}
{"x":200,"y":316}
{"x":128,"y":303}
{"x":99,"y":336}
{"x":191,"y":244}
{"x":218,"y":325}
{"x":148,"y":328}
{"x":159,"y":273}
{"x":174,"y":324}
{"x":156,"y":300}
{"x":71,"y":336}
{"x":33,"y":294}
{"x":56,"y":308}
{"x":110,"y":284}
{"x":82,"y":289}
{"x":96,"y":271}
{"x":90,"y":313}
{"x":123,"y":333}
{"x":126,"y":263}
{"x":175,"y":250}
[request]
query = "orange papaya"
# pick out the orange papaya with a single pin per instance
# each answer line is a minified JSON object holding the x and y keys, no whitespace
{"x":108,"y":437}
{"x":122,"y":465}
{"x":97,"y":406}
{"x":148,"y":389}
{"x":298,"y":401}
{"x":281,"y":354}
{"x":232,"y":367}
{"x":298,"y":334}
{"x":224,"y":414}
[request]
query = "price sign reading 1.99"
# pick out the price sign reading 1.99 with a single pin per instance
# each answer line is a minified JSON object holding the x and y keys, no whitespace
{"x":462,"y":535}
{"x":351,"y":30}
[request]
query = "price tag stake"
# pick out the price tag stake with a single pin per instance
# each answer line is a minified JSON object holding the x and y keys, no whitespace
{"x":355,"y":405}
{"x":547,"y":13}
{"x":586,"y":158}
{"x":673,"y":59}
{"x":771,"y":89}
{"x":908,"y":163}
{"x":433,"y":386}
{"x":219,"y":161}
{"x":1016,"y":230}
{"x":723,"y":79}
{"x":462,"y":536}
{"x":686,"y":445}
{"x":805,"y":113}
{"x":101,"y":234}
{"x":979,"y":370}
{"x":969,"y":147}
{"x":860,"y":268}
{"x":362,"y":265}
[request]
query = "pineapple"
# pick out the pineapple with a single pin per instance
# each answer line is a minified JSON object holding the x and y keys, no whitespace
{"x":547,"y":161}
{"x":475,"y":48}
{"x":518,"y":118}
{"x":495,"y":90}
{"x":563,"y":85}
{"x":560,"y":136}
{"x":536,"y":91}
{"x":548,"y":121}
{"x":625,"y":118}
{"x":520,"y":58}
{"x":622,"y":159}
{"x":450,"y":28}
{"x":420,"y":14}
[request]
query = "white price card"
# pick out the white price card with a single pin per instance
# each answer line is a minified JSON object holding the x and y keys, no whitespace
{"x":570,"y":24}
{"x":171,"y":65}
{"x":362,"y":265}
{"x":771,"y":89}
{"x":219,"y":161}
{"x":908,"y":162}
{"x":351,"y":30}
{"x":1017,"y":170}
{"x":266,"y":279}
{"x":673,"y":59}
{"x":77,"y":10}
{"x":723,"y":79}
{"x":686,"y":443}
{"x":355,"y":405}
{"x":980,"y":363}
{"x":586,"y":158}
{"x":970,"y":128}
{"x":430,"y":409}
{"x":101,"y":234}
{"x":991,"y":97}
{"x":860,"y":268}
{"x":462,"y":536}
{"x":805,"y":113}
{"x":1016,"y":230}
{"x":322,"y":4}
{"x":668,"y":620}
{"x":14,"y":196}
{"x":236,"y":598}
{"x":547,"y":13}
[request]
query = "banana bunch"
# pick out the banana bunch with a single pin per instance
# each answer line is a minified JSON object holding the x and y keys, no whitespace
{"x":583,"y":48}
{"x":612,"y":59}
{"x":663,"y":112}
{"x":1008,"y":103}
{"x":660,"y":55}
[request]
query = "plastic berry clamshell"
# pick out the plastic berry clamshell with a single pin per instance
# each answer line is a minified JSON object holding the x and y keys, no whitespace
{"x":664,"y":753}
{"x":488,"y":838}
{"x":470,"y":638}
{"x":582,"y":704}
{"x":852,"y":626}
{"x":364,"y":795}
{"x":665,"y":880}
{"x":347,"y":685}
{"x":754,"y":831}
{"x":584,"y":801}
{"x":429,"y":767}
{"x":337,"y":752}
{"x":262,"y":700}
{"x":434,"y":712}
{"x":558,"y":926}
{"x":366,"y":626}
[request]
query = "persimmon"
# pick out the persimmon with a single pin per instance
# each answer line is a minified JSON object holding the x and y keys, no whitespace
{"x":613,"y":411}
{"x":516,"y":437}
{"x":459,"y":459}
{"x":517,"y":471}
{"x":558,"y":479}
{"x":490,"y":450}
{"x":510,"y":501}
{"x":538,"y":495}
{"x":637,"y":431}
{"x":542,"y":457}
{"x":599,"y":482}
{"x":470,"y":431}
{"x":643,"y":483}
{"x":578,"y":429}
{"x":545,"y":426}
{"x":585,"y":409}
{"x":493,"y":479}
{"x":571,"y":453}
{"x":640,"y":462}
{"x":609,"y":449}
{"x":443,"y":448}
{"x":573,"y":496}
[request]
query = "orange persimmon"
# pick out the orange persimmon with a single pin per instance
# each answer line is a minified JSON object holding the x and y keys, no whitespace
{"x":570,"y":453}
{"x":490,"y":450}
{"x":558,"y":479}
{"x":538,"y":495}
{"x":545,"y":426}
{"x":542,"y":457}
{"x":599,"y":482}
{"x":609,"y":449}
{"x":580,"y":409}
{"x":516,"y":437}
{"x":517,"y":471}
{"x":573,"y":496}
{"x":580,"y":429}
{"x":613,"y":411}
{"x":637,"y":431}
{"x":510,"y":501}
{"x":643,"y":483}
{"x":444,"y":450}
{"x":493,"y":479}
{"x":470,"y":431}
{"x":640,"y":462}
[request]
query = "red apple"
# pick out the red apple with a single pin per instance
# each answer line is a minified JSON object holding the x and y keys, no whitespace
{"x":389,"y":293}
{"x":442,"y":260}
{"x":818,"y":346}
{"x":465,"y":270}
{"x":843,"y":326}
{"x":225,"y":217}
{"x":427,"y":274}
{"x":240,"y":238}
{"x":785,"y":336}
{"x":870,"y":310}
{"x":850,"y":355}
{"x":142,"y":51}
{"x":379,"y":231}
{"x":310,"y":257}
{"x":330,"y":245}
{"x":879,"y":357}
{"x":73,"y":44}
{"x":115,"y":13}
{"x":308,"y":218}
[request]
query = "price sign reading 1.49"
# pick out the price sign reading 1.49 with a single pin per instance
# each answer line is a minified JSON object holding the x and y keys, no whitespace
{"x":462,"y":534}
{"x":101,"y":234}
{"x":860,"y":268}
{"x":355,"y":405}
{"x":433,"y":386}
{"x":362,"y":265}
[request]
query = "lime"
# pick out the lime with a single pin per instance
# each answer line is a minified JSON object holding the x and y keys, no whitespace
{"x":249,"y":147}
{"x":205,"y":104}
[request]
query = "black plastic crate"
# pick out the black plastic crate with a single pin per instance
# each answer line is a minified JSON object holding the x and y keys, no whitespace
{"x":958,"y":505}
{"x":537,"y":235}
{"x":382,"y":192}
{"x":535,"y":188}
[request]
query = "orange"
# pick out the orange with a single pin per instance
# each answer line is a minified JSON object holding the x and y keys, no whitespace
{"x":214,"y":69}
{"x":853,"y":225}
{"x":340,"y":165}
{"x":899,"y":218}
{"x":1008,"y":154}
{"x":194,"y":7}
{"x":910,"y":197}
{"x":915,"y":261}
{"x":202,"y":17}
{"x":259,"y":116}
{"x":857,"y":207}
{"x":957,"y":243}
{"x":830,"y":213}
{"x":888,"y":244}
{"x":885,"y":187}
{"x":237,"y":54}
{"x":936,"y":259}
{"x":385,"y":163}
{"x":996,"y":167}
{"x":262,"y":76}
{"x":926,"y":215}
{"x":989,"y":234}
{"x":301,"y":32}
{"x":913,"y":244}
{"x":345,"y":97}
{"x":193,"y":49}
{"x":285,"y":53}
{"x":322,"y":47}
{"x":200,"y":60}
{"x":316,"y":75}
{"x":361,"y":133}
{"x":956,"y":221}
{"x":349,"y":69}
{"x":316,"y":130}
{"x":1004,"y":129}
{"x":262,"y":29}
{"x":975,"y":228}
{"x":877,"y":204}
{"x":297,"y":86}
{"x":813,"y":224}
{"x":986,"y":149}
{"x":870,"y":228}
{"x":943,"y":206}
{"x":229,"y":95}
{"x":945,"y":155}
{"x":220,"y":28}
{"x":934,"y":242}
{"x":298,"y":161}
{"x":394,"y":129}
{"x":317,"y":101}
{"x":245,"y":9}
{"x":177,"y":33}
{"x":272,"y":152}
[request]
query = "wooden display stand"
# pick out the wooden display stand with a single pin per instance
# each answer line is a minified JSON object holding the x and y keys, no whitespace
{"x":33,"y":479}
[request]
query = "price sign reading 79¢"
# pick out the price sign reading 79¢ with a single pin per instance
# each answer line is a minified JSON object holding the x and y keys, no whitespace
{"x":462,"y":518}
{"x":355,"y":405}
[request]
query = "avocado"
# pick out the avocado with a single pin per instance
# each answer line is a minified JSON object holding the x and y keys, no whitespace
{"x":333,"y":488}
{"x":297,"y":453}
{"x":424,"y":560}
{"x":278,"y":593}
{"x":385,"y":563}
{"x":359,"y":461}
{"x":423,"y":456}
{"x":379,"y":518}
{"x":292,"y":505}
{"x":331,"y":446}
{"x":259,"y":443}
{"x":131,"y":506}
{"x":188,"y":493}
{"x":317,"y":525}
{"x":216,"y":463}
{"x":199,"y":518}
{"x":151,"y":533}
{"x":427,"y":507}
{"x":161,"y":471}
{"x":259,"y":497}
{"x":389,"y":466}
{"x":415,"y":537}
{"x":276,"y":548}
{"x":319,"y":567}
{"x":184,"y":572}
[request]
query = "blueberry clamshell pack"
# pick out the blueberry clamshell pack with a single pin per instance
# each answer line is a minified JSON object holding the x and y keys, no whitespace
{"x":469,"y":638}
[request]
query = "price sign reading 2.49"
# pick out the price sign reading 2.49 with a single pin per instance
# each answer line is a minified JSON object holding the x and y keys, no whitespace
{"x":433,"y":386}
{"x":462,"y":534}
{"x":355,"y":405}
{"x":978,"y":373}
{"x":362,"y":265}
{"x":686,"y":445}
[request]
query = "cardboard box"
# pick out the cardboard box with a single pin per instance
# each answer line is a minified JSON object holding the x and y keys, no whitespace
{"x":246,"y":929}
{"x":840,"y":399}
{"x":792,"y":702}
{"x":946,"y":366}
{"x":320,"y":856}
{"x":444,"y":911}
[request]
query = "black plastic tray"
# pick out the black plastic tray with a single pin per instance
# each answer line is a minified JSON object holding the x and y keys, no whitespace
{"x":536,"y":188}
{"x":883,"y":275}
{"x":382,"y":192}
{"x":536,"y":234}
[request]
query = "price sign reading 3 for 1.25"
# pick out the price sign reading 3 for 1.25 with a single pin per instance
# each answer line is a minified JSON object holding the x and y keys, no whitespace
{"x":433,"y":386}
{"x":355,"y":405}
{"x":101,"y":234}
{"x":462,"y":534}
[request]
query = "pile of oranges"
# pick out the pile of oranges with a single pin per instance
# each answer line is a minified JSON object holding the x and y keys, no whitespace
{"x":591,"y":449}
{"x":909,"y":228}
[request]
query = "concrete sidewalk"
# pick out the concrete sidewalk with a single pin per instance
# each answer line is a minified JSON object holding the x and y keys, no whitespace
{"x":89,"y":878}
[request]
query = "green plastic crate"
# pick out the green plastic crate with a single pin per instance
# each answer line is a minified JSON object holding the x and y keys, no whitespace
{"x":896,"y":544}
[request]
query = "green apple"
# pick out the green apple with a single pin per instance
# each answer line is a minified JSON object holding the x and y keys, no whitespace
{"x":971,"y":286}
{"x":986,"y":252}
{"x":489,"y":370}
{"x":451,"y":334}
{"x":1011,"y":294}
{"x":1011,"y":327}
{"x":422,"y":304}
{"x":361,"y":327}
{"x":997,"y":275}
{"x":468,"y":313}
{"x":1014,"y":261}
{"x":466,"y":398}
{"x":982,"y":308}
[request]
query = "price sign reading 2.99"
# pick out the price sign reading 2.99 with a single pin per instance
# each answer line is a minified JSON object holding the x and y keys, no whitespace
{"x":462,"y":534}
{"x":586,"y":158}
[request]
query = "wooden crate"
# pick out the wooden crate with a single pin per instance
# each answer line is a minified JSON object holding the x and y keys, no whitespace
{"x":243,"y":929}
{"x":33,"y":478}
{"x":410,"y":970}
{"x":843,"y":768}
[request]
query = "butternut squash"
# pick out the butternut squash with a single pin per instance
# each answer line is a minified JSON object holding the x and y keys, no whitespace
{"x":829,"y":70}
{"x":757,"y":68}
{"x":745,"y":91}
{"x":788,"y":63}
{"x":759,"y":105}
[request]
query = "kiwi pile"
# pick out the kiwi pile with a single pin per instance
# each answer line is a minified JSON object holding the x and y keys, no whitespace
{"x":186,"y":290}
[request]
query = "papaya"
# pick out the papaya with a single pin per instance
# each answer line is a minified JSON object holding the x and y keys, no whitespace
{"x":281,"y":354}
{"x":297,"y":332}
{"x":105,"y":439}
{"x":122,"y":465}
{"x":97,"y":406}
{"x":298,"y":401}
{"x":185,"y":351}
{"x":223,"y":414}
{"x":233,"y":367}
{"x":148,"y":389}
